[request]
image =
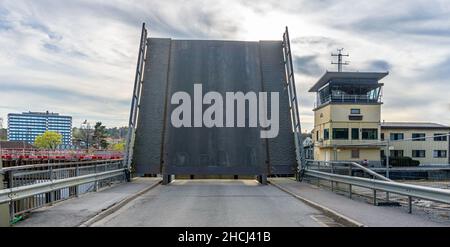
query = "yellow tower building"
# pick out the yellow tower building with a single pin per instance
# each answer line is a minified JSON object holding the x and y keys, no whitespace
{"x":347,"y":116}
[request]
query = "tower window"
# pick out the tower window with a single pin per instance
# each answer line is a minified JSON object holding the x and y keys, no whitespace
{"x":326,"y":134}
{"x":355,"y":111}
{"x":369,"y":134}
{"x":340,"y":133}
{"x":355,"y":134}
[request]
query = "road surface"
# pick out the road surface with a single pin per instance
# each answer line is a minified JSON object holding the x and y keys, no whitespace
{"x":216,"y":203}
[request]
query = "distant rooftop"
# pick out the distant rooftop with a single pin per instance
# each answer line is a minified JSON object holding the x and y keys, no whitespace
{"x":413,"y":125}
{"x":347,"y":75}
{"x":40,"y":113}
{"x":47,"y":113}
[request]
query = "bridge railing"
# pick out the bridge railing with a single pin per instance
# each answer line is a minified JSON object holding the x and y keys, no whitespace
{"x":344,"y":173}
{"x":33,"y":186}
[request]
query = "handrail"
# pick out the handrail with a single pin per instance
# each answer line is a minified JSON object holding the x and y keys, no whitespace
{"x":16,"y":193}
{"x":357,"y":165}
{"x":14,"y":168}
{"x":417,"y":191}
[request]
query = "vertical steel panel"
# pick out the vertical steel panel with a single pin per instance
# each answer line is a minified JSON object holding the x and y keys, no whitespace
{"x":221,"y":66}
{"x":281,"y":148}
{"x":150,"y":126}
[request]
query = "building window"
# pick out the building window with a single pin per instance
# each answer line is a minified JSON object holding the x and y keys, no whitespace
{"x":326,"y":134}
{"x":382,"y":136}
{"x":439,"y":153}
{"x":355,"y":134}
{"x":418,"y":153}
{"x":355,"y":153}
{"x":340,"y":133}
{"x":369,"y":134}
{"x":396,"y":153}
{"x":355,"y":111}
{"x":396,"y":136}
{"x":440,"y":137}
{"x":418,"y":136}
{"x":317,"y":135}
{"x":355,"y":117}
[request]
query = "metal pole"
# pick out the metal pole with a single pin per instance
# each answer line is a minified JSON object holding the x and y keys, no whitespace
{"x":135,"y":101}
{"x":350,"y":185}
{"x":52,"y":193}
{"x":387,"y":166}
{"x":318,"y":179}
{"x":409,"y":204}
{"x":332,"y":183}
{"x":387,"y":158}
{"x":10,"y":185}
{"x":350,"y":191}
{"x":4,"y":208}
{"x":292,"y":91}
{"x":77,"y":187}
{"x":96,"y":181}
{"x":374,"y":197}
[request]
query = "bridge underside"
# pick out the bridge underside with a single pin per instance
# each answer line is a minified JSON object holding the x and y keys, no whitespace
{"x":220,"y":66}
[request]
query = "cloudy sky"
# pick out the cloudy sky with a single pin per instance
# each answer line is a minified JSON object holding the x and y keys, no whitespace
{"x":78,"y":57}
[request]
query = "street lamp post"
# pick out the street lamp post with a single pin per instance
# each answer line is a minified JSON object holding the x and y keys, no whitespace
{"x":86,"y":132}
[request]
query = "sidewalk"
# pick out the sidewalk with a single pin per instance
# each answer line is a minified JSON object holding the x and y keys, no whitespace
{"x":360,"y":210}
{"x":75,"y":211}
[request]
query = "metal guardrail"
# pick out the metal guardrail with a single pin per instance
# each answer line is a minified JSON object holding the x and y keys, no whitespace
{"x":422,"y":192}
{"x":32,"y":186}
{"x":17,"y":193}
{"x":381,"y":184}
{"x":365,"y":169}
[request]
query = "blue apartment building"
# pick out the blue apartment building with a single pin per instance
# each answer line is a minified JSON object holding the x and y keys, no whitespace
{"x":27,"y":125}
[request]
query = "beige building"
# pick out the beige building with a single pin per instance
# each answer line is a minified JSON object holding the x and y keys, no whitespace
{"x":425,"y":142}
{"x":347,"y":116}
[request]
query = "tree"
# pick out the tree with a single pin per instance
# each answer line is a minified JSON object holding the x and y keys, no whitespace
{"x":119,"y":147}
{"x":82,"y":137}
{"x":100,"y":135}
{"x":48,"y":140}
{"x":3,"y":135}
{"x":117,"y":132}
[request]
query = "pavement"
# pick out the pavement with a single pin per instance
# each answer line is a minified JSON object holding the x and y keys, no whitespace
{"x":75,"y":211}
{"x":222,"y":202}
{"x":359,"y":209}
{"x":210,"y":202}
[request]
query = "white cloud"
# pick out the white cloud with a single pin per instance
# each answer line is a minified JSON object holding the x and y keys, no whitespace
{"x":90,"y":48}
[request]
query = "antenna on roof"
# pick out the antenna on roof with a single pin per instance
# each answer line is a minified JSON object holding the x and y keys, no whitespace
{"x":339,"y":62}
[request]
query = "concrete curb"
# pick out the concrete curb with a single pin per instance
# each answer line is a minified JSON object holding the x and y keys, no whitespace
{"x":116,"y":206}
{"x":327,"y":211}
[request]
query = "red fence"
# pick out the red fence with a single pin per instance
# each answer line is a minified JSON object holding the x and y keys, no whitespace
{"x":14,"y":157}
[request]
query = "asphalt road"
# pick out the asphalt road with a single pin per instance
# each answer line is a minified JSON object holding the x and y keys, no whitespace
{"x":216,"y":203}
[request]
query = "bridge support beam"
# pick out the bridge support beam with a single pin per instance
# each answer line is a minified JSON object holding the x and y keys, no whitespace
{"x":167,"y":179}
{"x":262,"y":179}
{"x":4,"y":208}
